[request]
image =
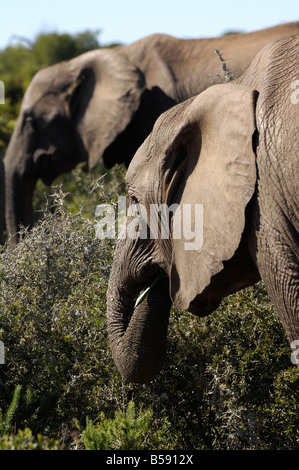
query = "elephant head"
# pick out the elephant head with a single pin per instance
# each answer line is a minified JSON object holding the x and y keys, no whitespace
{"x":61,"y":123}
{"x":193,"y":156}
{"x":216,"y":153}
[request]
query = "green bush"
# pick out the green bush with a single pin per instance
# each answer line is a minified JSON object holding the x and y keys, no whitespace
{"x":52,"y":315}
{"x":24,"y":440}
{"x":8,"y":417}
{"x":228,"y":382}
{"x":126,"y":431}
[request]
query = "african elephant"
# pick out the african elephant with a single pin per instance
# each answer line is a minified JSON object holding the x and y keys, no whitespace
{"x":232,"y":151}
{"x":104,"y":103}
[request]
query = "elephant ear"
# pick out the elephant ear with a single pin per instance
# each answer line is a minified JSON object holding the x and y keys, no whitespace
{"x":103,"y":98}
{"x":215,"y":139}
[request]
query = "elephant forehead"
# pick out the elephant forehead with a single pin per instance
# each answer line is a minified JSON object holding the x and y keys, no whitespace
{"x":153,"y":151}
{"x":139,"y":169}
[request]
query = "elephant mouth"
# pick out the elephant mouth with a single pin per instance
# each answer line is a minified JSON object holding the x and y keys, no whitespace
{"x":51,"y":164}
{"x":144,"y":279}
{"x":45,"y":170}
{"x":145,"y":292}
{"x":139,"y":289}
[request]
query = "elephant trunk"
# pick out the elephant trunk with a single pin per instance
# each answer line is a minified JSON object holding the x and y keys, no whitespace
{"x":18,"y":205}
{"x":138,"y":335}
{"x":20,"y":182}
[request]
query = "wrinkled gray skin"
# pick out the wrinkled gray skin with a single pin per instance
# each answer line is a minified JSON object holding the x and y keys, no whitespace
{"x":102,"y":105}
{"x":233,"y":148}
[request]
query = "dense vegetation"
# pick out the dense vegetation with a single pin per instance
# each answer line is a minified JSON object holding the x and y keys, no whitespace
{"x":228,"y":382}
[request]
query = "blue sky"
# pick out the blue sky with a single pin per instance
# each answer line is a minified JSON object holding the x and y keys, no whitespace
{"x":128,"y":20}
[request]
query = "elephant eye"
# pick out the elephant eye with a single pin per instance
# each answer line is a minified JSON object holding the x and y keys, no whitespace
{"x":134,"y":206}
{"x":29,"y":120}
{"x":134,"y":200}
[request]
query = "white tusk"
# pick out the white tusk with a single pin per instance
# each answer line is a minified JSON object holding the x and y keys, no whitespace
{"x":142,"y":296}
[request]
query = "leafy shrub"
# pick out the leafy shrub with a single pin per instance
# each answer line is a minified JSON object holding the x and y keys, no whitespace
{"x":24,"y":440}
{"x":126,"y":431}
{"x":52,"y":314}
{"x":228,"y":382}
{"x":7,"y":419}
